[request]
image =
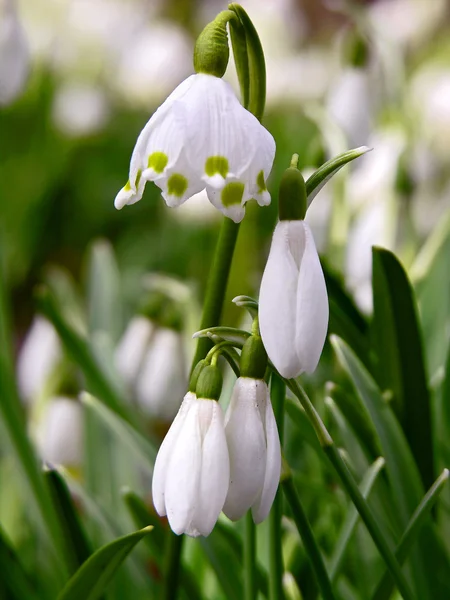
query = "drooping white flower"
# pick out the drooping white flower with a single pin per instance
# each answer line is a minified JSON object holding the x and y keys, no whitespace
{"x":152,"y":361}
{"x":59,"y":433}
{"x":14,"y":53}
{"x":254,"y":448}
{"x":293,"y":301}
{"x":192,"y":469}
{"x":38,"y":357}
{"x":202,"y":137}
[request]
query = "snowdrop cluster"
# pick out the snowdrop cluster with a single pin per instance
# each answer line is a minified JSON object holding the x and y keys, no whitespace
{"x":208,"y":463}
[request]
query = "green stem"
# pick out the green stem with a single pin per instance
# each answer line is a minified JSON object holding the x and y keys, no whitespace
{"x":312,"y":550}
{"x":218,"y":279}
{"x":212,"y":310}
{"x":277,"y":394}
{"x":249,"y":558}
{"x":352,"y":489}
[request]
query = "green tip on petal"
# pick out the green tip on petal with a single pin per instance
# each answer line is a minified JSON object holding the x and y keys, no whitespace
{"x":260,"y":182}
{"x":177,"y":185}
{"x":216,"y":165}
{"x":127,"y":187}
{"x":232,"y":193}
{"x":138,"y":177}
{"x":158,"y":161}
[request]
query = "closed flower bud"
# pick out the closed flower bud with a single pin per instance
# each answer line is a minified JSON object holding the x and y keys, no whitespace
{"x":254,"y":448}
{"x":192,"y":469}
{"x":293,"y":301}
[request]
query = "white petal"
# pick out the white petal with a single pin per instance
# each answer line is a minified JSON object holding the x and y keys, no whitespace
{"x":38,"y":356}
{"x":130,"y":350}
{"x":278,"y":297}
{"x":312,"y":307}
{"x":215,"y":472}
{"x":160,"y":470}
{"x":162,"y":377}
{"x":183,"y":473}
{"x":233,"y":210}
{"x":246,"y":444}
{"x":262,"y":506}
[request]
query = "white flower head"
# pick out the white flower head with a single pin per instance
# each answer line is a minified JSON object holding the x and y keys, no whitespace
{"x":293,"y":301}
{"x":254,"y":448}
{"x":202,"y":137}
{"x":192,"y":469}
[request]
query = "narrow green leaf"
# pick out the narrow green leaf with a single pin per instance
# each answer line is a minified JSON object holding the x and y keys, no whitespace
{"x":403,"y":475}
{"x":312,"y":549}
{"x":400,"y":362}
{"x":13,"y":417}
{"x":104,"y":291}
{"x":80,"y":352}
{"x":227,"y":566}
{"x":141,"y":446}
{"x":346,"y":320}
{"x":90,"y":581}
{"x":231,"y":334}
{"x":301,"y":421}
{"x":76,"y":545}
{"x":351,"y":519}
{"x":256,"y":63}
{"x":15,"y":582}
{"x":320,"y":177}
{"x":409,"y":537}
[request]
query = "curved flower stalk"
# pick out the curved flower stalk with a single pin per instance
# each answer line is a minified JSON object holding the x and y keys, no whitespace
{"x":254,"y":447}
{"x":202,"y":137}
{"x":192,"y":469}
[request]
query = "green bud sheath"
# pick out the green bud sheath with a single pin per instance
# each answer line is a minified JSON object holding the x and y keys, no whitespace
{"x":253,"y":358}
{"x":292,"y":196}
{"x":211,"y":52}
{"x":195,"y":375}
{"x":356,"y":50}
{"x":209,"y":383}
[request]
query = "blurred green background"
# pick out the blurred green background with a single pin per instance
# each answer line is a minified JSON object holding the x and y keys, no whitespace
{"x":78,"y":81}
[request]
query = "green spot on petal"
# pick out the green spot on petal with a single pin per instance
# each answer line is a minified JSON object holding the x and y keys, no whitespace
{"x":261,"y":183}
{"x":158,"y":161}
{"x":216,"y":164}
{"x":232,"y":193}
{"x":127,"y":186}
{"x":177,"y":184}
{"x":138,"y":177}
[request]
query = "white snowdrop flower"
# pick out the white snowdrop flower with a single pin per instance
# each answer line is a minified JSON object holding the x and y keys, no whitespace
{"x":192,"y":469}
{"x":152,"y":361}
{"x":163,"y":375}
{"x":350,"y":104}
{"x":202,"y":137}
{"x":132,"y":346}
{"x":293,"y":301}
{"x":254,"y":449}
{"x":59,"y":434}
{"x":80,"y":109}
{"x":38,"y":356}
{"x":14,"y":53}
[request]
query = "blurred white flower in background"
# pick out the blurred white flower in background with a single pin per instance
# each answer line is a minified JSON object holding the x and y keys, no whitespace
{"x":371,"y":194}
{"x":350,"y":104}
{"x":59,"y":435}
{"x":429,"y":99}
{"x":80,"y":109}
{"x":39,"y":354}
{"x":14,"y":53}
{"x":153,"y":363}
